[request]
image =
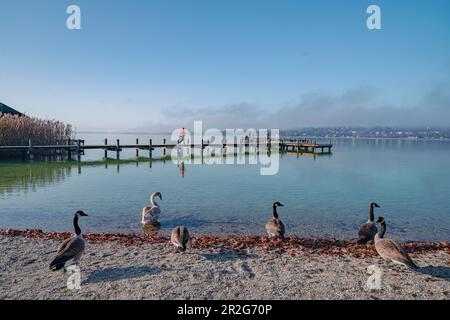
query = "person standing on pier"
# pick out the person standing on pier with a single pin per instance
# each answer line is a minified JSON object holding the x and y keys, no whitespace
{"x":181,"y":138}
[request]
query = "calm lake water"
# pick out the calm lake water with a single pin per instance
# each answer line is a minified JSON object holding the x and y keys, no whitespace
{"x":325,"y":196}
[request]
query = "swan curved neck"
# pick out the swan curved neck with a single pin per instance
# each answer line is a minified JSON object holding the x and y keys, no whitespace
{"x":76,"y":226}
{"x":153,"y":201}
{"x":371,"y":215}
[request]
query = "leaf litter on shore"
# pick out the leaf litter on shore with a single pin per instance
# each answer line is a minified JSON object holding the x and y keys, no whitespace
{"x":240,"y":244}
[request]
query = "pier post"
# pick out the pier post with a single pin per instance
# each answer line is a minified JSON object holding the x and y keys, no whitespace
{"x":164,"y":150}
{"x":30,"y":150}
{"x":137,"y":148}
{"x":150,"y":148}
{"x":69,"y":151}
{"x":247,"y":146}
{"x":202,"y":150}
{"x":118,"y":150}
{"x":106,"y":150}
{"x":257,"y":143}
{"x":78,"y":150}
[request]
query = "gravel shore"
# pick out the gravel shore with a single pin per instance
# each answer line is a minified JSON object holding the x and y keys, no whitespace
{"x":112,"y":269}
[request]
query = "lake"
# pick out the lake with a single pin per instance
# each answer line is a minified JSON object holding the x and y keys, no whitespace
{"x":324,"y":196}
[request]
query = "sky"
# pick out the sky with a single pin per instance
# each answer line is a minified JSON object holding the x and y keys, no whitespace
{"x":154,"y":65}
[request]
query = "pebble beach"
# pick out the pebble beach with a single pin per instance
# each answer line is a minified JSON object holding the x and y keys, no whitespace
{"x":122,"y":266}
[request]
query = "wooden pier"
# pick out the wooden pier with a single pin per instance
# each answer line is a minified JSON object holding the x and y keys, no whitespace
{"x":306,"y":146}
{"x":78,"y":147}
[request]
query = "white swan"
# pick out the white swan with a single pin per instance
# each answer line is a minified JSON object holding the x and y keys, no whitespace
{"x":151,"y":213}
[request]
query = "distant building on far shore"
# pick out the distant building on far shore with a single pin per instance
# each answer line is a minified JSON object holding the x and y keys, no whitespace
{"x":4,"y":109}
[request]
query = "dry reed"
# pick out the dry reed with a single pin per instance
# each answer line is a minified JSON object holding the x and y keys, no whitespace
{"x":16,"y":131}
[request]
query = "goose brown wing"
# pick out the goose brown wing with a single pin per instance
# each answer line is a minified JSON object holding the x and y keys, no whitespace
{"x":63,"y":245}
{"x":367,"y":232}
{"x":73,"y":250}
{"x":392,"y":250}
{"x":175,"y":236}
{"x":275,"y":227}
{"x":185,"y":235}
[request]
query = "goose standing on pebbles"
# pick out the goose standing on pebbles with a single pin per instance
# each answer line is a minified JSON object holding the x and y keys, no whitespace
{"x":391,"y":250}
{"x":151,"y":213}
{"x":274,"y":227}
{"x":180,"y":237}
{"x":369,"y":229}
{"x":71,"y":249}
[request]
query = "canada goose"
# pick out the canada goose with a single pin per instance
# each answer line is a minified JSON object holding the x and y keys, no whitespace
{"x":369,"y":229}
{"x":391,"y":250}
{"x":180,"y":237}
{"x":274,"y":227}
{"x":152,"y":212}
{"x":71,"y":249}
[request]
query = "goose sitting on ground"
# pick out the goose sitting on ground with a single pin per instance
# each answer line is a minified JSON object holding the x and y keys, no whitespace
{"x":70,"y":251}
{"x":180,"y":237}
{"x":274,"y":227}
{"x":391,"y":250}
{"x":369,"y":229}
{"x":151,"y":213}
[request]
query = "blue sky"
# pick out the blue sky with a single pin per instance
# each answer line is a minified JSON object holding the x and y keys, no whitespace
{"x":153,"y":65}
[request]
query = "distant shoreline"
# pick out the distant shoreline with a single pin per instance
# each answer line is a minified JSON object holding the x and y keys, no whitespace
{"x":282,"y":136}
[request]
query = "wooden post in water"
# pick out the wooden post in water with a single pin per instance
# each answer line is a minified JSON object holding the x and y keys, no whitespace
{"x":150,"y":151}
{"x":78,"y":150}
{"x":247,"y":145}
{"x":69,"y":151}
{"x":30,"y":150}
{"x":137,"y":148}
{"x":118,"y":150}
{"x":202,"y":150}
{"x":106,"y":150}
{"x":164,"y":150}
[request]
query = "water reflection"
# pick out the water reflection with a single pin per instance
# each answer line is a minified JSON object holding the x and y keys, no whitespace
{"x":22,"y":176}
{"x":151,"y":228}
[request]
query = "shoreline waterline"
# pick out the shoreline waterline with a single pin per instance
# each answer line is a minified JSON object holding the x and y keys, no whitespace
{"x":240,"y":244}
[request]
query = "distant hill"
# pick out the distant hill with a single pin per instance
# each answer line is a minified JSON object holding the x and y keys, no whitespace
{"x":5,"y":109}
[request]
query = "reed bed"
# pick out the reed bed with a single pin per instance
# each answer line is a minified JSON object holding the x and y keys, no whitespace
{"x":16,"y":131}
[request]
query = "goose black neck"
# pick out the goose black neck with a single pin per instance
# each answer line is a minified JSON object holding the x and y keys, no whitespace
{"x":76,"y":226}
{"x":275,"y":213}
{"x":371,"y":215}
{"x":382,"y":230}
